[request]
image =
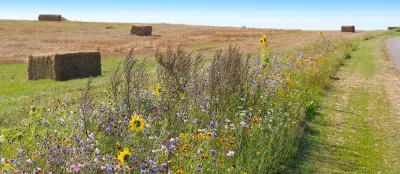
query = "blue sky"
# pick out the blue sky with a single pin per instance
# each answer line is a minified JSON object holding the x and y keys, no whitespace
{"x":286,"y":14}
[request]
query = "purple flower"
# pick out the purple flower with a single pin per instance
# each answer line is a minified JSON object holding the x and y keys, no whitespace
{"x":214,"y":160}
{"x":108,"y":129}
{"x":77,"y":139}
{"x":108,"y":169}
{"x":142,"y":166}
{"x":103,"y":108}
{"x":164,"y":165}
{"x":133,"y":159}
{"x":214,"y":134}
{"x":153,"y":170}
{"x":213,"y":152}
{"x":172,"y":147}
{"x":212,"y":123}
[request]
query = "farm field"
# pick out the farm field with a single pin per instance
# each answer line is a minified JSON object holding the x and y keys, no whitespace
{"x":223,"y":112}
{"x":34,"y":37}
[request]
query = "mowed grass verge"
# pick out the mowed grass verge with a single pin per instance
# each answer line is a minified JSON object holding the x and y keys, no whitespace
{"x":356,"y":128}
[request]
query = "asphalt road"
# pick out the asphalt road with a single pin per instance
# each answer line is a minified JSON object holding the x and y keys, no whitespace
{"x":393,"y":45}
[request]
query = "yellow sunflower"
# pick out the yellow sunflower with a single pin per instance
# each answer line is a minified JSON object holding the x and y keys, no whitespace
{"x":136,"y":123}
{"x":124,"y":156}
{"x":263,"y":40}
{"x":158,"y":90}
{"x":200,"y":135}
{"x":182,"y":136}
{"x":180,"y":172}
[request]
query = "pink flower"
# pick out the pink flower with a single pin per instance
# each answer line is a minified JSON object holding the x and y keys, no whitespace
{"x":77,"y":167}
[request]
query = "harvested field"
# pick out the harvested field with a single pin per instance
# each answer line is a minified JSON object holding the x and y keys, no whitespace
{"x":19,"y":39}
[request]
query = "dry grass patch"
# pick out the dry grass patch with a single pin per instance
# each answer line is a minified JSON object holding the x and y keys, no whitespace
{"x":35,"y":37}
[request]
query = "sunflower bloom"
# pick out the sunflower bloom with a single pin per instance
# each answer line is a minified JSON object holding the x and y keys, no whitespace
{"x":200,"y":135}
{"x":263,"y":40}
{"x":182,"y":136}
{"x":157,"y":89}
{"x":136,"y":123}
{"x":124,"y":156}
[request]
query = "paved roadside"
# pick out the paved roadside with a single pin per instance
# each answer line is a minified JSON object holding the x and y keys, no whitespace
{"x":393,"y":45}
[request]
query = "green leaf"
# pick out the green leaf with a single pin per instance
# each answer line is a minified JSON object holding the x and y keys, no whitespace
{"x":5,"y":131}
{"x":2,"y":166}
{"x":2,"y":138}
{"x":31,"y":112}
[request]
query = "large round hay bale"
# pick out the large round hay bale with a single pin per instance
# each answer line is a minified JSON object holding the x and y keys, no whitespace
{"x":50,"y":17}
{"x":348,"y":28}
{"x":393,"y":28}
{"x":141,"y":30}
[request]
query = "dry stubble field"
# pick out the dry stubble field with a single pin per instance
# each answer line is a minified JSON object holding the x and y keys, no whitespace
{"x":18,"y":39}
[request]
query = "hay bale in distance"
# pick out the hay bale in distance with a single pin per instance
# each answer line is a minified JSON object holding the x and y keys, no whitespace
{"x":50,"y":17}
{"x":348,"y":29}
{"x":141,"y":30}
{"x":109,"y":27}
{"x":62,"y":67}
{"x":393,"y":28}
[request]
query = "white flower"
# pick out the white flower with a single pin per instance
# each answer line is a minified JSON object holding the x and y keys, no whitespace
{"x":200,"y":151}
{"x":97,"y":151}
{"x":29,"y":161}
{"x":91,"y":136}
{"x":230,"y":153}
{"x":2,"y":138}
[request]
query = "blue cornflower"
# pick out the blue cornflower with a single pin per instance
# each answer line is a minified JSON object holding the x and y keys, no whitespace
{"x":212,"y":123}
{"x":214,"y":134}
{"x":142,"y":166}
{"x":213,"y":152}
